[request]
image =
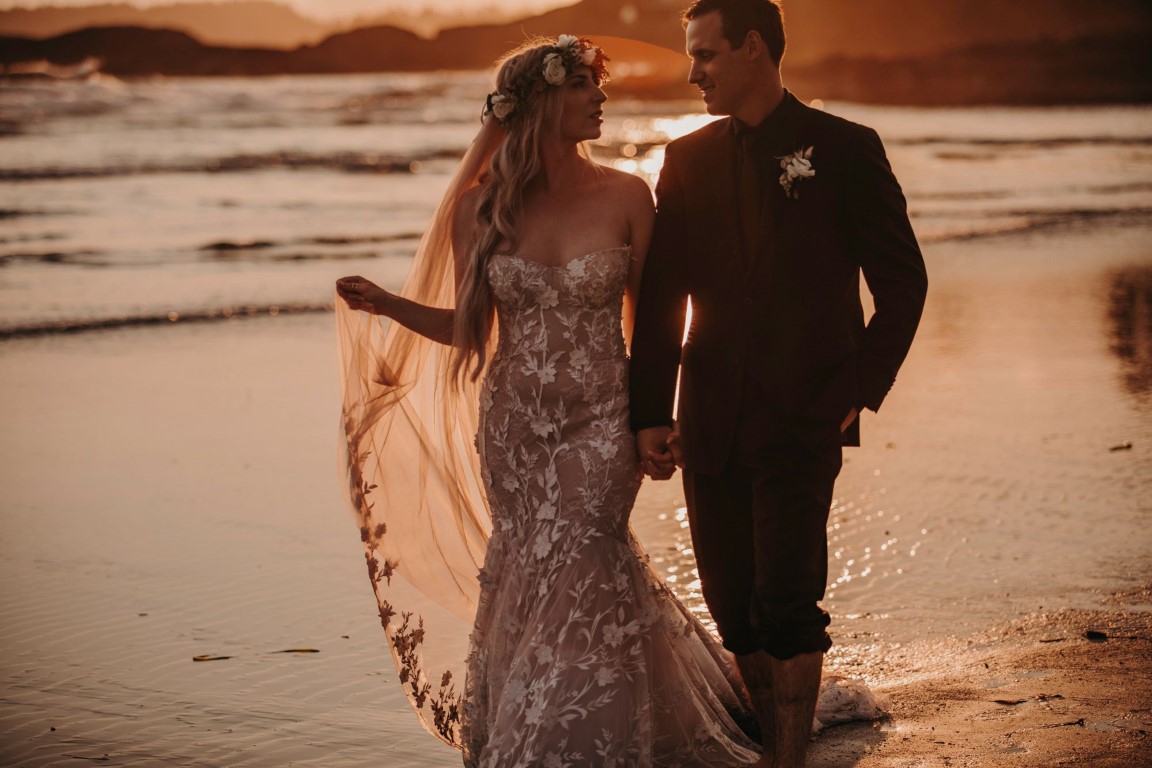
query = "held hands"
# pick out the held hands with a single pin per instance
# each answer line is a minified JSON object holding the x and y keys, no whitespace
{"x":362,"y":294}
{"x":659,"y":450}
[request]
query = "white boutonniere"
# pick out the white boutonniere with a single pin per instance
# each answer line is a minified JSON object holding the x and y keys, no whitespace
{"x":797,"y":166}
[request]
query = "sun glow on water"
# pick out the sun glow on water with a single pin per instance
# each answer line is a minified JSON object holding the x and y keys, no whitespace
{"x":675,"y":127}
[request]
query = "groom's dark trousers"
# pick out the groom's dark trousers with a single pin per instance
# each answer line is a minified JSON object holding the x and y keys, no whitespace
{"x":777,"y":354}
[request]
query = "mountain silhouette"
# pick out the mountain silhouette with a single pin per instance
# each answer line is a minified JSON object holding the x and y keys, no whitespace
{"x":240,"y":23}
{"x":884,"y":51}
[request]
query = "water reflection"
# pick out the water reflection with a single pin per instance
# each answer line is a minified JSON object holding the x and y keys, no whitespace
{"x":636,"y":144}
{"x":676,"y":563}
{"x":1130,"y":327}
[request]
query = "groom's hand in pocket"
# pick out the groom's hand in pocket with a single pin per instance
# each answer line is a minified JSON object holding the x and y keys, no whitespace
{"x":656,"y":458}
{"x":851,"y":417}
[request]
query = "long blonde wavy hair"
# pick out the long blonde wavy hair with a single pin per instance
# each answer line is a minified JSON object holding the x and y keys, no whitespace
{"x":514,"y":168}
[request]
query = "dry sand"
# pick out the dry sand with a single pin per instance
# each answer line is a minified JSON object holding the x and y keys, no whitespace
{"x":168,"y":493}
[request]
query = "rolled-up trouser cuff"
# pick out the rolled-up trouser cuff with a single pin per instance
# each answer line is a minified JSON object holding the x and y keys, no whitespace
{"x":781,"y":647}
{"x":785,"y":631}
{"x":741,"y":644}
{"x":786,"y":647}
{"x":782,"y":633}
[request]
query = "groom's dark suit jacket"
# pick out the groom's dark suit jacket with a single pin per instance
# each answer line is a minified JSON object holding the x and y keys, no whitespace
{"x":785,"y":325}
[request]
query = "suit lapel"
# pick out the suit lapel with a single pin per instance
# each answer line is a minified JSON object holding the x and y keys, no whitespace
{"x":784,"y":141}
{"x":717,"y":164}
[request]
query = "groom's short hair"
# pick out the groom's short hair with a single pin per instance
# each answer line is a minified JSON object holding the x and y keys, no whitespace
{"x":741,"y":17}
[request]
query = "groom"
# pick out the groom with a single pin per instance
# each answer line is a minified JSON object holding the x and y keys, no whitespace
{"x":767,"y":219}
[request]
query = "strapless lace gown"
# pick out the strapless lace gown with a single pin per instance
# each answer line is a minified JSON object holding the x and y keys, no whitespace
{"x":580,"y":655}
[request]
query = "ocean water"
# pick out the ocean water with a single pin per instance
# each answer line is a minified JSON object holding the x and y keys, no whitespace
{"x":171,"y":492}
{"x":166,"y":201}
{"x":125,"y":202}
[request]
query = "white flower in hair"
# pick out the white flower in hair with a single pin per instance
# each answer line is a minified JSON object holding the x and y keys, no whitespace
{"x":502,"y":106}
{"x":555,"y":73}
{"x":565,"y":41}
{"x":499,"y":105}
{"x":588,"y":56}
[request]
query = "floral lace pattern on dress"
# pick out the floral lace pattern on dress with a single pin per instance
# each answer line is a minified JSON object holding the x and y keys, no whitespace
{"x":580,"y":655}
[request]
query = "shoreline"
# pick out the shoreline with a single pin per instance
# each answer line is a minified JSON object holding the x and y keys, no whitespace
{"x":1064,"y":688}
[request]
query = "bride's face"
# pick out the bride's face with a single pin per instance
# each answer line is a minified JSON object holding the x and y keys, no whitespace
{"x":582,"y":102}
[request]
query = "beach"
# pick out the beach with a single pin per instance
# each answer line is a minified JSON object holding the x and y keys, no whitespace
{"x":173,"y":493}
{"x":169,"y":490}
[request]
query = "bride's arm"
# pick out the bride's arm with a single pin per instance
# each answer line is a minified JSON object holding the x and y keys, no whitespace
{"x":435,"y":323}
{"x":360,"y":293}
{"x":640,"y":218}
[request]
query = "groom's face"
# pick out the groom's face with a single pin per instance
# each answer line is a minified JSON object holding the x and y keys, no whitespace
{"x":722,"y":74}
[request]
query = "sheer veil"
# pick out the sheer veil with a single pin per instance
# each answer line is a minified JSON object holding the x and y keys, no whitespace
{"x":412,"y":471}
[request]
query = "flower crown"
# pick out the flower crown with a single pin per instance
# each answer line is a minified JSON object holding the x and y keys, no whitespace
{"x":568,"y":53}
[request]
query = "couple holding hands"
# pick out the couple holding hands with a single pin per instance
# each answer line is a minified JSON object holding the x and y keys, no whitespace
{"x":500,"y":425}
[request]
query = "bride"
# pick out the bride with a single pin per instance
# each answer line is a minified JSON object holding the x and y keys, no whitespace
{"x":513,"y":328}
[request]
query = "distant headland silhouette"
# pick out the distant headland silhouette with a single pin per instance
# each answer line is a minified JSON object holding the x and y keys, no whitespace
{"x":944,"y":52}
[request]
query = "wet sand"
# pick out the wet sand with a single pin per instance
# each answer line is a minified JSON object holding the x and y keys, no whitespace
{"x":171,"y":492}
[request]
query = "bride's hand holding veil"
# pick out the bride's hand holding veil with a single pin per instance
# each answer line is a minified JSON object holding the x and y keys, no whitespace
{"x":362,"y":294}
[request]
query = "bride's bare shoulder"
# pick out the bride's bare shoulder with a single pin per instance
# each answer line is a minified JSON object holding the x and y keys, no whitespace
{"x":470,"y":200}
{"x":626,"y":186}
{"x":468,"y":205}
{"x":611,"y":175}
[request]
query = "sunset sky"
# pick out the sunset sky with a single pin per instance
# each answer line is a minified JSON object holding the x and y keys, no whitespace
{"x":330,"y":9}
